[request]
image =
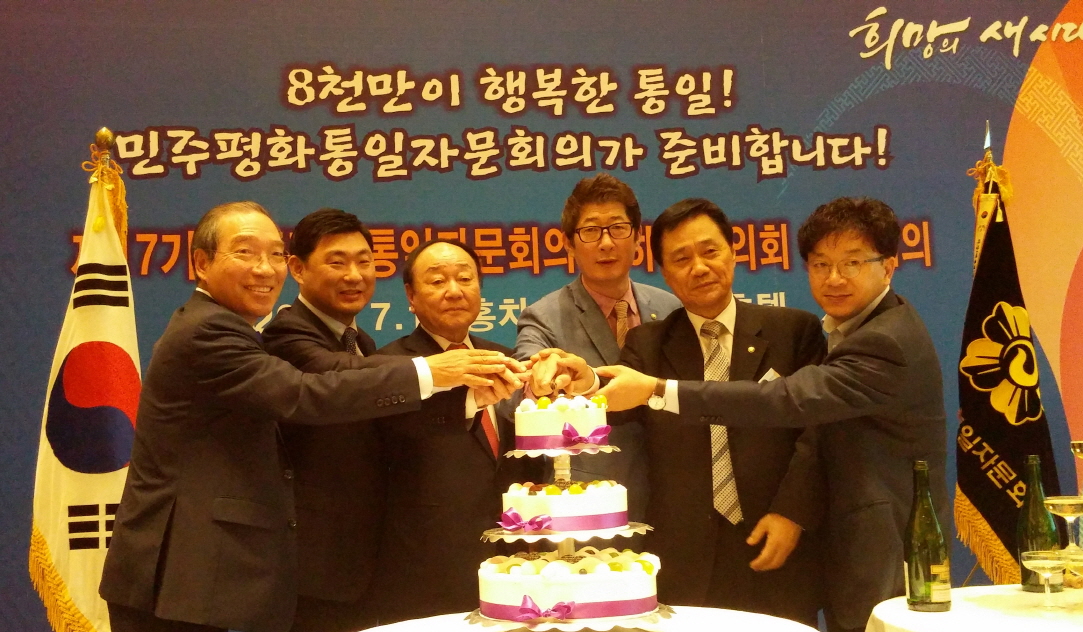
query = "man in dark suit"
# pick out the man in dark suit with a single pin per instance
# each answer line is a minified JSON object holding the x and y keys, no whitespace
{"x":204,"y":537}
{"x":339,"y":469}
{"x":728,"y":508}
{"x":445,"y":465}
{"x":877,"y":401}
{"x":591,"y":316}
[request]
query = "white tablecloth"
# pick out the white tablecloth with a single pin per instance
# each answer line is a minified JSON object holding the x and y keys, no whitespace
{"x":684,"y":619}
{"x":985,"y":608}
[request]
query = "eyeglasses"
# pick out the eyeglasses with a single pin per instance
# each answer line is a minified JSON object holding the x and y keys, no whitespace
{"x":848,"y":268}
{"x":589,"y":234}
{"x":252,"y":258}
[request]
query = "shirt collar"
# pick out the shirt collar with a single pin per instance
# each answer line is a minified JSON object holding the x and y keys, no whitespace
{"x":606,"y":304}
{"x":335,"y":326}
{"x":445,"y":343}
{"x":845,"y":327}
{"x":727,"y":318}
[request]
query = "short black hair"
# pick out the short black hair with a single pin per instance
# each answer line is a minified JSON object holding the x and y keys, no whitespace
{"x":598,"y":189}
{"x":683,"y":211}
{"x":868,"y":217}
{"x":408,"y":265}
{"x":318,"y":224}
{"x":205,"y":236}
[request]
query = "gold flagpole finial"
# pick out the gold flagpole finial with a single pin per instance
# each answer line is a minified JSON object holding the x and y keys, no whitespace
{"x":104,"y":139}
{"x":103,"y":168}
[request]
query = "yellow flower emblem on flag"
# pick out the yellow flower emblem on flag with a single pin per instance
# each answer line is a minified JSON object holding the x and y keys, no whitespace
{"x":1005,"y":364}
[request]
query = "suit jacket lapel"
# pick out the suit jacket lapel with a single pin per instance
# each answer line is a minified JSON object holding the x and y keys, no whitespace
{"x":421,"y":343}
{"x":307,"y":314}
{"x":365,"y":343}
{"x":594,"y":323}
{"x":647,"y":311}
{"x":748,"y":347}
{"x":681,"y":347}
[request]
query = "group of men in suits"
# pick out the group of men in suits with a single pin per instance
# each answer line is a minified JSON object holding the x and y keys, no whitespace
{"x":305,"y":480}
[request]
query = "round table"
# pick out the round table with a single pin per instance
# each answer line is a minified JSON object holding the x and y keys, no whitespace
{"x":684,"y":619}
{"x":985,"y":608}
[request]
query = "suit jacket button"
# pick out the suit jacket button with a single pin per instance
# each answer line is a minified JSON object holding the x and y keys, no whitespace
{"x":288,"y":474}
{"x":293,"y":523}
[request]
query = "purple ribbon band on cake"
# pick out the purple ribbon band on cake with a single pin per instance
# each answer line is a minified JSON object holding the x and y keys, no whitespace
{"x":565,"y":610}
{"x":512,"y":521}
{"x":596,"y":521}
{"x":566,"y":439}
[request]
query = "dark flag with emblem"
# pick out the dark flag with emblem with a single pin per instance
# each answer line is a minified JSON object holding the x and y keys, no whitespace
{"x":89,"y":419}
{"x":1001,"y":419}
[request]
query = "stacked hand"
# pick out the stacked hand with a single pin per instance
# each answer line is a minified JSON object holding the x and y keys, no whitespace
{"x":554,"y":370}
{"x":478,"y":369}
{"x":628,"y":388}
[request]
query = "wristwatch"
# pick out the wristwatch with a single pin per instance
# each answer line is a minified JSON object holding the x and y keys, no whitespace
{"x":657,"y":400}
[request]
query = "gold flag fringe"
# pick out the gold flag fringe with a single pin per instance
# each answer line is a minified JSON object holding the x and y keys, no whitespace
{"x":63,"y":615}
{"x":986,"y":204}
{"x":103,"y":168}
{"x":976,"y":534}
{"x":986,"y":171}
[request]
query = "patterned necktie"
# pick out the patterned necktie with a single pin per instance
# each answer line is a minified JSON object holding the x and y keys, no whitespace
{"x":349,"y":340}
{"x":486,"y":421}
{"x":621,"y":309}
{"x":717,"y":368}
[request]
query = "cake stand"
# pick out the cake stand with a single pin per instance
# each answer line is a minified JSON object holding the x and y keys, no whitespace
{"x":649,"y":621}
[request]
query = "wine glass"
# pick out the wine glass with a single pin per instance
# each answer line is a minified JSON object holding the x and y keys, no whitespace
{"x":1069,"y":508}
{"x":1073,"y":560}
{"x":1045,"y":563}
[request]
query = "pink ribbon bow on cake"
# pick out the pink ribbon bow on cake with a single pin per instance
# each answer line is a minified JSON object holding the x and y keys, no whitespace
{"x":529,"y":610}
{"x":512,"y":521}
{"x":596,"y":436}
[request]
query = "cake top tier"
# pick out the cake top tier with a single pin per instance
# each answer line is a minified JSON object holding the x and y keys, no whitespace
{"x":562,"y":403}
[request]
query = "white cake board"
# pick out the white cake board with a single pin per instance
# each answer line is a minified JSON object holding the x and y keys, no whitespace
{"x":650,"y":621}
{"x":579,"y":448}
{"x":530,"y":537}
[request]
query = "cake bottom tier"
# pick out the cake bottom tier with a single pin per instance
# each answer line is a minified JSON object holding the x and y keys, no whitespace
{"x":589,"y":596}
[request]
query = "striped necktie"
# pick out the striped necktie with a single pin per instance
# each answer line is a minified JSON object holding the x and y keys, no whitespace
{"x":717,"y":368}
{"x":620,"y":308}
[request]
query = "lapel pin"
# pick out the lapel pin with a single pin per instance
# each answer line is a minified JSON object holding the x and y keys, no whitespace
{"x":654,"y":316}
{"x":752,"y":349}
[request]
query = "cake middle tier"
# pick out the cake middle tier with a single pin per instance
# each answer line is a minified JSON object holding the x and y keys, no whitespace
{"x":578,"y":507}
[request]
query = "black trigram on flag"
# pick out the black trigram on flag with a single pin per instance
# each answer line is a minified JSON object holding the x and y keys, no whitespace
{"x":99,"y":284}
{"x":89,"y":528}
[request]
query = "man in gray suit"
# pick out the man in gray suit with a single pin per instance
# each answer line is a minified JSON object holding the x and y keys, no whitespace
{"x":591,"y":316}
{"x":877,"y":398}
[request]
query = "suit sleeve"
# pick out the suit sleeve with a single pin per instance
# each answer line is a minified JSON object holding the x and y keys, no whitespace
{"x":230,"y":363}
{"x":862,"y":376}
{"x":534,"y":334}
{"x":802,"y":493}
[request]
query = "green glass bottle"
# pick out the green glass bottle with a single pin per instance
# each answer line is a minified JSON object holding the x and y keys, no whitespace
{"x":926,"y":566}
{"x":1036,"y":530}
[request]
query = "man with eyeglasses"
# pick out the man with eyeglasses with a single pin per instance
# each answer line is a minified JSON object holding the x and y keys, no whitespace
{"x":591,"y":316}
{"x":877,"y":401}
{"x":205,"y":537}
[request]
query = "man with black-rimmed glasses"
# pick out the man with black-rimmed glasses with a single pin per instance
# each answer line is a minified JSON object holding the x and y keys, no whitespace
{"x":591,"y":316}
